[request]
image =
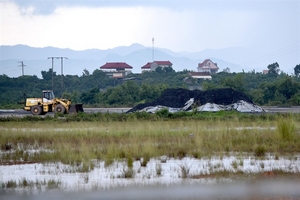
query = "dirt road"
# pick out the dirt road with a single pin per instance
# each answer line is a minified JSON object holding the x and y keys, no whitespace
{"x":22,"y":113}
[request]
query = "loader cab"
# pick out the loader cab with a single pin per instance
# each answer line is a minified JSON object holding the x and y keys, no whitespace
{"x":48,"y":95}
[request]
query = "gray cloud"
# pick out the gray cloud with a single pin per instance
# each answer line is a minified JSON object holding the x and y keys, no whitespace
{"x":41,"y":7}
{"x":44,"y":7}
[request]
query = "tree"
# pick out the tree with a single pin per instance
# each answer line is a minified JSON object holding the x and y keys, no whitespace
{"x":114,"y":97}
{"x":227,"y":70}
{"x":150,"y":92}
{"x":257,"y":96}
{"x":273,"y":69}
{"x":237,"y":82}
{"x":164,"y":70}
{"x":89,"y":97}
{"x":169,"y":70}
{"x":295,"y":99}
{"x":48,"y":75}
{"x":297,"y":70}
{"x":74,"y":96}
{"x":98,"y":74}
{"x":131,"y":92}
{"x":269,"y":90}
{"x":287,"y":87}
{"x":85,"y":72}
{"x":227,"y":82}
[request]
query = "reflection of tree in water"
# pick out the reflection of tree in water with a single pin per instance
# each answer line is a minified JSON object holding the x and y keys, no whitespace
{"x":176,"y":98}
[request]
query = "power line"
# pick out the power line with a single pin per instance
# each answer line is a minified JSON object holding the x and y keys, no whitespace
{"x":22,"y":65}
{"x":153,"y":49}
{"x":275,"y":54}
{"x":62,"y":74}
{"x":62,"y":81}
{"x":52,"y":67}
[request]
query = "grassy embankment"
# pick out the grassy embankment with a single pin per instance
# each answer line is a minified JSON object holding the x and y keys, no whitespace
{"x":79,"y":138}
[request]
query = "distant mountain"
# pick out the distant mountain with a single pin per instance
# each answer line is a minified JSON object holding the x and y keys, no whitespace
{"x":136,"y":55}
{"x":34,"y":53}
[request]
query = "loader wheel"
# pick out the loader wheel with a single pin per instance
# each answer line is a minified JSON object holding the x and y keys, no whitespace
{"x":60,"y":109}
{"x":36,"y":110}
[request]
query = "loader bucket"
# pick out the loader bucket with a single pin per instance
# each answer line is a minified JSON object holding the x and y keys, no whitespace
{"x":76,"y":108}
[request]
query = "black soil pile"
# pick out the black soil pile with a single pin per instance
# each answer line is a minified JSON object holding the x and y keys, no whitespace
{"x":176,"y":98}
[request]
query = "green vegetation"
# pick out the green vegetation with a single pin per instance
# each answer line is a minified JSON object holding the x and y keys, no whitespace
{"x":98,"y":90}
{"x":50,"y":184}
{"x":80,"y":138}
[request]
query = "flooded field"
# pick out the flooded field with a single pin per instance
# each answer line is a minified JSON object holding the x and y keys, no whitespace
{"x":159,"y":159}
{"x":187,"y":175}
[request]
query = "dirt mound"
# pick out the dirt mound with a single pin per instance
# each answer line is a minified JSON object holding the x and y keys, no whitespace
{"x":176,"y":98}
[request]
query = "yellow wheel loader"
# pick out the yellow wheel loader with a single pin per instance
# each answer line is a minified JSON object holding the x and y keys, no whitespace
{"x":48,"y":103}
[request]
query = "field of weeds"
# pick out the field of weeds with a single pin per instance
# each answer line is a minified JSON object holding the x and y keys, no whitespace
{"x":76,"y":141}
{"x":84,"y":142}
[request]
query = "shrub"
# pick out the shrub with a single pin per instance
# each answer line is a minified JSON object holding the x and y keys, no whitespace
{"x":145,"y":160}
{"x":11,"y":184}
{"x":130,"y":162}
{"x":260,"y":151}
{"x":129,"y":173}
{"x":182,"y":152}
{"x":185,"y":170}
{"x":86,"y":166}
{"x":286,"y":128}
{"x":53,"y":184}
{"x":163,"y":113}
{"x":25,"y":183}
{"x":234,"y":164}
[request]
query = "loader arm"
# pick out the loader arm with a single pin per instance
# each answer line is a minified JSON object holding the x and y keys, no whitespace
{"x":64,"y":102}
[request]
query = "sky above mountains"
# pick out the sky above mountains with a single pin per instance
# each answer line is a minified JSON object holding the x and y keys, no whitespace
{"x":178,"y":25}
{"x":270,"y":29}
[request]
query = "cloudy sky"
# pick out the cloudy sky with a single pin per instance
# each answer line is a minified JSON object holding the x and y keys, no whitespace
{"x":178,"y":25}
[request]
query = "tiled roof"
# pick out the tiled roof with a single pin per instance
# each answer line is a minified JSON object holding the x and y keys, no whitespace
{"x":205,"y":62}
{"x":163,"y":62}
{"x":148,"y":65}
{"x":116,"y":65}
{"x":265,"y":71}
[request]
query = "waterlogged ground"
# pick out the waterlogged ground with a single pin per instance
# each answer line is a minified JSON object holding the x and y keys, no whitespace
{"x":162,"y":171}
{"x":226,"y":175}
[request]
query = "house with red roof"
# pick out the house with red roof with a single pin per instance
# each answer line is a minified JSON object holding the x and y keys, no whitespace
{"x":265,"y":71}
{"x":116,"y":69}
{"x":151,"y":66}
{"x":208,"y":66}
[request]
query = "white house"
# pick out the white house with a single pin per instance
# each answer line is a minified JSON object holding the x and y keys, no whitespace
{"x":151,"y":66}
{"x":208,"y":66}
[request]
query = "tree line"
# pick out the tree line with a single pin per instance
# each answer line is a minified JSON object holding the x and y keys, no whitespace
{"x":97,"y":89}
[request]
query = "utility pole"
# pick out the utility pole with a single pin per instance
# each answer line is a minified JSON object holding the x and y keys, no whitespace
{"x":62,"y":74}
{"x":22,"y":65}
{"x":152,"y":49}
{"x":52,"y":68}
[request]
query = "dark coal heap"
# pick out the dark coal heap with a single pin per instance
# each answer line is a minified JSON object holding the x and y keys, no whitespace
{"x":176,"y":98}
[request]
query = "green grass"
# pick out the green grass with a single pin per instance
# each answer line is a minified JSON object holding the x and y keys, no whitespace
{"x":286,"y":128}
{"x":109,"y":137}
{"x":50,"y":184}
{"x":161,"y":115}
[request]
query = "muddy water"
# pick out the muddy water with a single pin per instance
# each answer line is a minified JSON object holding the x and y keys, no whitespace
{"x":254,"y":190}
